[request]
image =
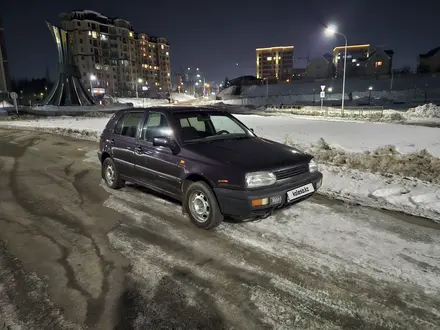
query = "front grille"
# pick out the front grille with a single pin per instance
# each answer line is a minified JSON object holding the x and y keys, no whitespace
{"x":291,"y":172}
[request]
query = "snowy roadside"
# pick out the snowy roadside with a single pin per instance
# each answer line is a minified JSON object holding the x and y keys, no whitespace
{"x":406,"y":159}
{"x":427,"y":114}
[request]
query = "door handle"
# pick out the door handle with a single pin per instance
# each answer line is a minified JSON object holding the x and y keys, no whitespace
{"x":112,"y":141}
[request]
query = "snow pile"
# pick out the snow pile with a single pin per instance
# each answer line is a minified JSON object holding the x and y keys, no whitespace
{"x":4,"y":104}
{"x":392,"y":192}
{"x":384,"y":160}
{"x":424,"y":111}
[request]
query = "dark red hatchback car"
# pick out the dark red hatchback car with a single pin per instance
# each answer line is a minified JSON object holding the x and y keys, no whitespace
{"x":208,"y":160}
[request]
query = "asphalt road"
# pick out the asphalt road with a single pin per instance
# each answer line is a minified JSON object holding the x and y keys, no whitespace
{"x":74,"y":255}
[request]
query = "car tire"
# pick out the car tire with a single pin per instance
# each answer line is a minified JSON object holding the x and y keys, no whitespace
{"x":202,"y":206}
{"x":111,"y":175}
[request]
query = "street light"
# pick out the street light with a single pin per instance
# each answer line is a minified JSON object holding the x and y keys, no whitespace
{"x":369,"y":94}
{"x":139,"y":81}
{"x":92,"y":78}
{"x":331,"y":30}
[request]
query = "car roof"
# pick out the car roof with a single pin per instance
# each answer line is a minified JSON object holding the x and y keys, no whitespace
{"x":170,"y":109}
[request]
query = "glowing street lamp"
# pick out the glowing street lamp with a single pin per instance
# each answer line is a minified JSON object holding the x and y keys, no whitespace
{"x":139,"y":81}
{"x":330,"y":31}
{"x":92,"y":78}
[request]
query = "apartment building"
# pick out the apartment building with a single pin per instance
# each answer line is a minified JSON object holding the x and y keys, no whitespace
{"x":5,"y":83}
{"x":275,"y":63}
{"x":112,"y":56}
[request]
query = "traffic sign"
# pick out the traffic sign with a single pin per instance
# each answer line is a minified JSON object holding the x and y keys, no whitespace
{"x":13,"y":95}
{"x":322,"y":87}
{"x":322,"y":95}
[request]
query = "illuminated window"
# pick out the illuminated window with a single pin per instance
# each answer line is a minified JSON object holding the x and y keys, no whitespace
{"x":94,"y":35}
{"x":90,"y":33}
{"x":167,"y":53}
{"x":168,"y":74}
{"x":131,"y":34}
{"x":161,"y":46}
{"x":269,"y":58}
{"x":378,"y":64}
{"x":104,"y":37}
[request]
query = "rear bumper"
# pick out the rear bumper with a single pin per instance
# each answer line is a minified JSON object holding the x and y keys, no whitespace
{"x":238,"y":203}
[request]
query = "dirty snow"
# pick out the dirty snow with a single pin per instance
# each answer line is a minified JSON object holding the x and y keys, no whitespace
{"x":320,"y":236}
{"x":425,"y":111}
{"x":357,"y":137}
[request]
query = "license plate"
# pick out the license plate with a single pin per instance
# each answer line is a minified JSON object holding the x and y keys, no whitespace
{"x":299,"y":192}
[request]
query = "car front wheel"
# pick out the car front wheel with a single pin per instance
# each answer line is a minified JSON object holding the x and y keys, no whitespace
{"x":111,"y":174}
{"x":202,"y":206}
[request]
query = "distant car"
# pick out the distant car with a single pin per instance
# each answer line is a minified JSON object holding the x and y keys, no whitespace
{"x":208,"y":160}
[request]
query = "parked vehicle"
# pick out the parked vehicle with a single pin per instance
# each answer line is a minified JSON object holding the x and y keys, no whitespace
{"x":208,"y":160}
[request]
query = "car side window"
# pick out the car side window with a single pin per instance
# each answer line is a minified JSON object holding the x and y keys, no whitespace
{"x":193,"y":122}
{"x":156,"y":125}
{"x":131,"y":123}
{"x":118,"y":127}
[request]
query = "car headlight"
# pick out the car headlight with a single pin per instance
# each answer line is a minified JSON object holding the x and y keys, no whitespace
{"x":260,"y":179}
{"x":313,"y":166}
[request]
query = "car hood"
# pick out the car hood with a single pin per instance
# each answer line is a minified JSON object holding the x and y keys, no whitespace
{"x":251,"y":154}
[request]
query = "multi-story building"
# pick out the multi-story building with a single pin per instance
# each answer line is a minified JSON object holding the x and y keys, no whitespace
{"x":275,"y":63}
{"x":355,"y":55}
{"x":5,"y":83}
{"x":429,"y":62}
{"x":112,"y":56}
{"x":362,"y":60}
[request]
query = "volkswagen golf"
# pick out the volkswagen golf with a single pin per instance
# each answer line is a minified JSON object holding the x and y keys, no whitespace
{"x":208,"y":160}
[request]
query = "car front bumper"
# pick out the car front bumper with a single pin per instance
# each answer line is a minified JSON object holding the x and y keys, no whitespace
{"x":238,"y":203}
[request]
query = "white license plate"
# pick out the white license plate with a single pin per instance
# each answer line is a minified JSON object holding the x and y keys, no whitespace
{"x":299,"y":192}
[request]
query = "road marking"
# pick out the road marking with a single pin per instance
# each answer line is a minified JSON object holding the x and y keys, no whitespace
{"x":13,"y":142}
{"x":33,"y":148}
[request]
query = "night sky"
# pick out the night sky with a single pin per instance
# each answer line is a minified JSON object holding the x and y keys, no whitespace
{"x":216,"y":35}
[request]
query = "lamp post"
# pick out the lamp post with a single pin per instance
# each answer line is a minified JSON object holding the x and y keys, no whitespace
{"x":369,"y":94}
{"x":92,"y":78}
{"x":331,"y":30}
{"x":139,"y":81}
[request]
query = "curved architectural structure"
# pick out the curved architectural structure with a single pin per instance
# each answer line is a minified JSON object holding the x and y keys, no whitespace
{"x":68,"y":89}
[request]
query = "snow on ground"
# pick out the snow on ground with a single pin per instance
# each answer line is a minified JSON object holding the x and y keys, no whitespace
{"x":390,"y":192}
{"x":141,"y":102}
{"x":182,"y":97}
{"x":320,"y":236}
{"x":423,"y":114}
{"x":4,"y":104}
{"x":349,"y":136}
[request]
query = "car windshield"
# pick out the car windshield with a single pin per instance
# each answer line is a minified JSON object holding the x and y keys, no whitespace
{"x":198,"y":126}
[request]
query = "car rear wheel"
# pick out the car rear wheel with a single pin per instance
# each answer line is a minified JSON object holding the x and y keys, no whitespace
{"x":202,"y":206}
{"x":111,"y":174}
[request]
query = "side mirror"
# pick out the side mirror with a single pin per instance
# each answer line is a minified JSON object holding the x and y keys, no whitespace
{"x":252,"y":130}
{"x":160,"y":141}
